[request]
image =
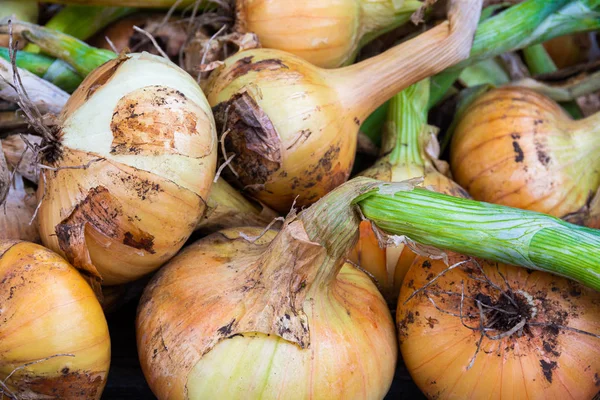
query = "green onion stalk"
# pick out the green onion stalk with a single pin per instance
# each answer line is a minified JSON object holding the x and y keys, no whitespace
{"x":50,"y":69}
{"x":132,"y":3}
{"x":522,"y":25}
{"x":539,"y":62}
{"x":494,"y":232}
{"x":82,"y":22}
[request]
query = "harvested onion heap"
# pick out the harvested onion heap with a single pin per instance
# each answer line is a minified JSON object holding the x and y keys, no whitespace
{"x":129,"y":170}
{"x":292,"y":127}
{"x":238,"y":315}
{"x":54,"y":337}
{"x":409,"y":150}
{"x":326,"y":33}
{"x":488,"y":330}
{"x":515,"y":147}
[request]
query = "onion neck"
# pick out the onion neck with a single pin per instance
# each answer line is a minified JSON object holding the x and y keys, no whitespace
{"x":379,"y":17}
{"x":407,"y":119}
{"x":333,"y":223}
{"x":364,"y":86}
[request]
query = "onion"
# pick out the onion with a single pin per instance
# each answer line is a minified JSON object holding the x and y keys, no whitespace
{"x":54,"y":337}
{"x":326,"y":33}
{"x":239,"y":315}
{"x":409,"y":150}
{"x":570,"y":50}
{"x":129,"y":170}
{"x":293,"y":126}
{"x":545,"y":345}
{"x":515,"y":147}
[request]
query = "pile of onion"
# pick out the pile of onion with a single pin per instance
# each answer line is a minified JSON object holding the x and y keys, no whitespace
{"x":409,"y":150}
{"x":292,"y":127}
{"x":488,"y":330}
{"x":54,"y":337}
{"x":326,"y":33}
{"x":240,"y":314}
{"x":515,"y":147}
{"x":128,"y":171}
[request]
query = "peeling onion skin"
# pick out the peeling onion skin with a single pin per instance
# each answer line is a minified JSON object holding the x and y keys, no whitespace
{"x":307,"y":146}
{"x":16,"y":213}
{"x":539,"y":364}
{"x":48,"y":310}
{"x":518,"y":148}
{"x":352,"y":350}
{"x":146,"y":135}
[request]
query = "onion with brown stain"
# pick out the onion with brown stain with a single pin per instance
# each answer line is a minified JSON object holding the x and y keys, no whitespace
{"x":490,"y":331}
{"x":239,"y":315}
{"x":516,"y":147}
{"x":293,"y":126}
{"x":326,"y":33}
{"x":54,"y":341}
{"x":130,"y":169}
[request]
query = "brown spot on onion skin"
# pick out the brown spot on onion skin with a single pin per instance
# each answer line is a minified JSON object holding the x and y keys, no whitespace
{"x":547,"y":368}
{"x":70,"y":385}
{"x":151,"y":120}
{"x":245,"y":65}
{"x":102,"y":212}
{"x":251,"y":137}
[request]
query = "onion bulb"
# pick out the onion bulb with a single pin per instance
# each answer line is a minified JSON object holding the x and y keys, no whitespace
{"x":326,"y":33}
{"x":292,"y":127}
{"x":54,"y":337}
{"x":128,"y":173}
{"x":523,"y":333}
{"x":409,"y":150}
{"x":239,"y":315}
{"x":515,"y":147}
{"x":569,"y":50}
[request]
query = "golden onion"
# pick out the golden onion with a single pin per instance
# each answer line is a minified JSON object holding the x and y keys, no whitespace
{"x":515,"y":147}
{"x":292,"y":126}
{"x":130,"y":169}
{"x":326,"y":33}
{"x":54,"y":341}
{"x":282,"y":315}
{"x":523,"y":333}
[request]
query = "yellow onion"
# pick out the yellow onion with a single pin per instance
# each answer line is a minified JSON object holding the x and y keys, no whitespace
{"x":292,"y":126}
{"x":282,"y":315}
{"x":130,"y":169}
{"x":515,"y":147}
{"x":409,"y":150}
{"x":541,"y":333}
{"x":54,"y":341}
{"x":570,"y":50}
{"x":326,"y":33}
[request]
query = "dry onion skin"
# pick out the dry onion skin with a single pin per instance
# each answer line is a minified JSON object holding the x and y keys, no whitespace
{"x":326,"y":33}
{"x":240,"y":315}
{"x":17,"y":220}
{"x":130,"y":171}
{"x":517,"y":148}
{"x":292,"y":127}
{"x":54,"y":341}
{"x":532,"y":349}
{"x":409,"y":150}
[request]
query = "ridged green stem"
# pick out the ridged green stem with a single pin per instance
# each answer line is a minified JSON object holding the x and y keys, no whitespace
{"x":82,"y":22}
{"x":489,"y":231}
{"x":51,"y":69}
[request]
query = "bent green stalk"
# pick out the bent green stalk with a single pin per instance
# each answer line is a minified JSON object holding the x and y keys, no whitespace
{"x":82,"y":22}
{"x":50,"y":69}
{"x":489,"y":231}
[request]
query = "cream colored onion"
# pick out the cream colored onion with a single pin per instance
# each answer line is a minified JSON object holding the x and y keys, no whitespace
{"x":133,"y":164}
{"x":234,"y":317}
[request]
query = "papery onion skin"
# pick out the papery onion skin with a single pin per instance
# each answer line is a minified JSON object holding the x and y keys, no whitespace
{"x":542,"y":363}
{"x":352,"y":350}
{"x":17,"y":220}
{"x":136,"y":160}
{"x":303,"y":148}
{"x":518,"y":148}
{"x":48,"y":310}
